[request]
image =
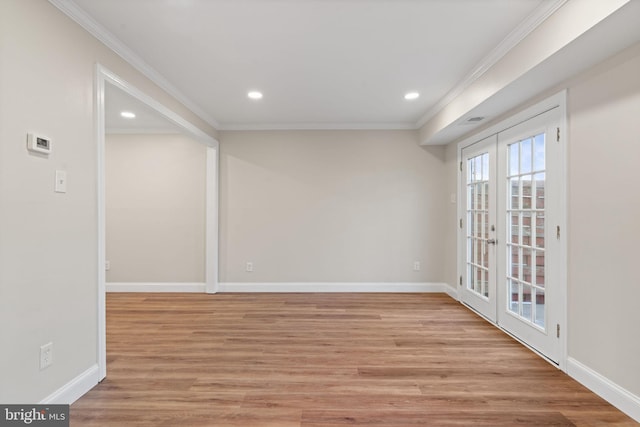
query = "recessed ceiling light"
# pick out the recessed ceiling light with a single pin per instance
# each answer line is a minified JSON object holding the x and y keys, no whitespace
{"x":255,"y":95}
{"x":128,"y":115}
{"x":412,"y":95}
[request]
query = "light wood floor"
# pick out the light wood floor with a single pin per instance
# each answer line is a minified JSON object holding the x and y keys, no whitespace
{"x":320,"y":360}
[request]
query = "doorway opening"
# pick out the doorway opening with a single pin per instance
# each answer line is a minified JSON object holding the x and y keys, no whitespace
{"x":105,"y":82}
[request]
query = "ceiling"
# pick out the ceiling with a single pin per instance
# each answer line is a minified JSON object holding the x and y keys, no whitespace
{"x":319,"y":63}
{"x":347,"y":64}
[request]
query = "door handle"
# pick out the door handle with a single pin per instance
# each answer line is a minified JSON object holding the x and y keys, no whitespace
{"x":492,"y":241}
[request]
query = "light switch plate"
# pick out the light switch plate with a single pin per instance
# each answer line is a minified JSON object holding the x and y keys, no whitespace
{"x":61,"y":182}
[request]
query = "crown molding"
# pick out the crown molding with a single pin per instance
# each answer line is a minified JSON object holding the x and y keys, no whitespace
{"x":316,"y":126}
{"x":73,"y":11}
{"x":526,"y":27}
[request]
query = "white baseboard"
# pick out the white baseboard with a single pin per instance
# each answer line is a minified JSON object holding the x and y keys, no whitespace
{"x":332,"y":287}
{"x":451,"y":291}
{"x":154,"y":287}
{"x":287,"y":287}
{"x":622,"y":399}
{"x":74,"y":389}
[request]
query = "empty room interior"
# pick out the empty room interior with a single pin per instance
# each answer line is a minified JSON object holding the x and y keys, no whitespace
{"x":321,"y":212}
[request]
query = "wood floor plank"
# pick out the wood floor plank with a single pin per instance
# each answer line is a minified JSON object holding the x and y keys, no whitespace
{"x":321,"y":360}
{"x":402,"y":418}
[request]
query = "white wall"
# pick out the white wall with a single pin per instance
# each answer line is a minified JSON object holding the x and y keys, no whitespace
{"x":604,"y":227}
{"x":48,"y":241}
{"x":155,"y":208}
{"x":330,"y":206}
{"x":450,"y":243}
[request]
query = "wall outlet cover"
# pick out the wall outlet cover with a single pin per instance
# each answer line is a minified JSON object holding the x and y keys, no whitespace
{"x":46,"y":355}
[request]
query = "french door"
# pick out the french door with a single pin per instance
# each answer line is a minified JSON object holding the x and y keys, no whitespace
{"x":513,"y":264}
{"x":479,"y":181}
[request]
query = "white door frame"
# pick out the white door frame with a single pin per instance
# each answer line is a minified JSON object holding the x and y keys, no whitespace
{"x":104,"y":76}
{"x":558,"y":100}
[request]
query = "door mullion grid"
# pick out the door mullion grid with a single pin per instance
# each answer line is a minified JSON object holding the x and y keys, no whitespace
{"x":521,"y":246}
{"x":534,"y":252}
{"x":519,"y":279}
{"x":481,"y":230}
{"x":469,"y":231}
{"x":477,"y":228}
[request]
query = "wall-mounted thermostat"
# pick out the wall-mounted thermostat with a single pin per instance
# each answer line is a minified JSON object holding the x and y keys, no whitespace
{"x":38,"y":143}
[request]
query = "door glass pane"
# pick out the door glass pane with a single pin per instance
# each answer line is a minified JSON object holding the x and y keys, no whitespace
{"x":470,"y":171}
{"x":515,"y":261}
{"x":538,"y":153}
{"x":486,"y":225}
{"x":485,"y":198}
{"x":525,"y":157}
{"x":514,"y":159}
{"x":540,"y":311}
{"x":514,"y":296}
{"x":539,"y":184}
{"x":540,"y":273}
{"x":526,"y":229}
{"x":514,"y":193}
{"x":526,"y":192}
{"x":526,"y":302}
{"x":478,"y":224}
{"x":526,"y":265}
{"x":514,"y":233}
{"x":485,"y":258}
{"x":540,"y":230}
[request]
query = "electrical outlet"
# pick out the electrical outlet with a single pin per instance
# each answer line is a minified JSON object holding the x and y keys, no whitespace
{"x":46,"y":355}
{"x":249,"y":267}
{"x":416,"y":265}
{"x":107,"y":265}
